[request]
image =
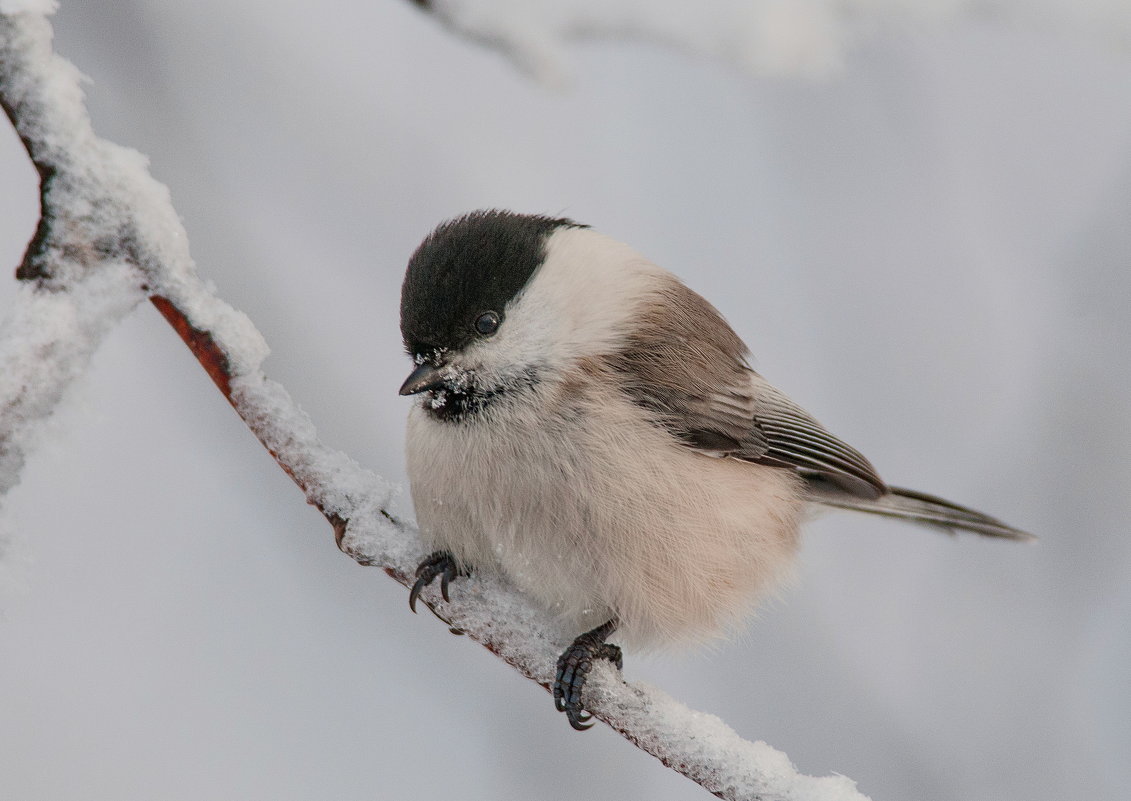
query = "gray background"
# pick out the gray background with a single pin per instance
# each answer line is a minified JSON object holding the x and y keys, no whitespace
{"x":929,"y":251}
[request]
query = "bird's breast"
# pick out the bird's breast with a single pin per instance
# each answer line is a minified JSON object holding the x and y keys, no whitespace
{"x":596,"y":512}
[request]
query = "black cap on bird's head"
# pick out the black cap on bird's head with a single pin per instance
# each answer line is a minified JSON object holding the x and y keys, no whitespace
{"x":462,"y":276}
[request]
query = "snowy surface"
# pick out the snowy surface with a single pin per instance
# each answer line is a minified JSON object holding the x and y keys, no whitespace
{"x":928,"y":251}
{"x":46,"y":342}
{"x":101,"y":201}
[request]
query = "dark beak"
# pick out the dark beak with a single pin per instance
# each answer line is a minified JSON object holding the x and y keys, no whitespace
{"x":422,"y":379}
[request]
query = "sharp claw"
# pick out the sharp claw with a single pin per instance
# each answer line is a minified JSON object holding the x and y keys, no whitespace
{"x":444,"y":579}
{"x":412,"y":596}
{"x":579,"y":723}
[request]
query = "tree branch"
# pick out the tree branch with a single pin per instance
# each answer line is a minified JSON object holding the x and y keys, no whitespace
{"x":108,"y":237}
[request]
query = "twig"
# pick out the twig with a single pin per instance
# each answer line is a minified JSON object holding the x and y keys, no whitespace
{"x":108,"y":237}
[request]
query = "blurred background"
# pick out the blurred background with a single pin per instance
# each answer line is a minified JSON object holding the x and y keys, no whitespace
{"x":925,"y":242}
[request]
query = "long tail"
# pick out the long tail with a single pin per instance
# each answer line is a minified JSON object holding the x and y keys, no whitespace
{"x":918,"y":507}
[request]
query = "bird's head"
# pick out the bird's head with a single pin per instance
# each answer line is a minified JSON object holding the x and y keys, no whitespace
{"x":495,"y":302}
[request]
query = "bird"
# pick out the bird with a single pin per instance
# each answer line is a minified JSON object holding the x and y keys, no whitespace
{"x":589,"y":427}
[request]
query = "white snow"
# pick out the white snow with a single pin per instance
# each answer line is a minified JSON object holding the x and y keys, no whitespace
{"x":46,"y":342}
{"x":335,"y":482}
{"x":47,"y":337}
{"x":104,"y":195}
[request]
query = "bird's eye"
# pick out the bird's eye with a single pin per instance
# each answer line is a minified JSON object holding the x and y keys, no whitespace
{"x":487,"y":323}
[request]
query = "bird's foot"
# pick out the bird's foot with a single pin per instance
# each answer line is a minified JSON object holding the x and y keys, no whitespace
{"x":573,"y":669}
{"x":441,"y":564}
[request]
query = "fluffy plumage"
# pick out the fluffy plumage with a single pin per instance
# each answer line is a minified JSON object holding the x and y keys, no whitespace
{"x":608,"y":448}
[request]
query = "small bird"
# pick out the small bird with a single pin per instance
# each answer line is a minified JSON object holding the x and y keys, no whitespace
{"x":590,"y":428}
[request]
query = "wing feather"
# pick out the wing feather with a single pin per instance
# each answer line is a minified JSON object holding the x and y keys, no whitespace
{"x":700,"y":388}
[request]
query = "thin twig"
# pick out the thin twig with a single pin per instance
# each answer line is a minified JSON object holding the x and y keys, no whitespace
{"x":109,"y":230}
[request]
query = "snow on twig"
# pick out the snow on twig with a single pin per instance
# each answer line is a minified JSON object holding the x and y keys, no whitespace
{"x":108,"y":238}
{"x":67,"y":306}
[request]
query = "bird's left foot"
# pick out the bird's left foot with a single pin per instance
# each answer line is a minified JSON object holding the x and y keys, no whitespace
{"x":573,"y":669}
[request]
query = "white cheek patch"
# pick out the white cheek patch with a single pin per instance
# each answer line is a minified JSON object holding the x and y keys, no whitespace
{"x":580,"y":303}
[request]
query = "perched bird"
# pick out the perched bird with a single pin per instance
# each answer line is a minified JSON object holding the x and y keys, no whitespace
{"x":589,"y":427}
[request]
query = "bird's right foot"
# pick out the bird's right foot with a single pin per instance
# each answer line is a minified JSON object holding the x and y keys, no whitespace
{"x":439,"y":564}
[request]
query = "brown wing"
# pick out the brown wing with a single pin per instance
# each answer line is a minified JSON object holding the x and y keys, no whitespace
{"x":700,"y":388}
{"x":797,"y":440}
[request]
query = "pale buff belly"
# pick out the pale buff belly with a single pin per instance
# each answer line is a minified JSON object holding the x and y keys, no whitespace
{"x":601,"y":514}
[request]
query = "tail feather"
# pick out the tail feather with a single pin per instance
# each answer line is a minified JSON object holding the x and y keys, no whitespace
{"x":918,"y":507}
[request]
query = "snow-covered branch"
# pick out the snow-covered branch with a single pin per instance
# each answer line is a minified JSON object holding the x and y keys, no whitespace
{"x":79,"y":282}
{"x":108,"y":238}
